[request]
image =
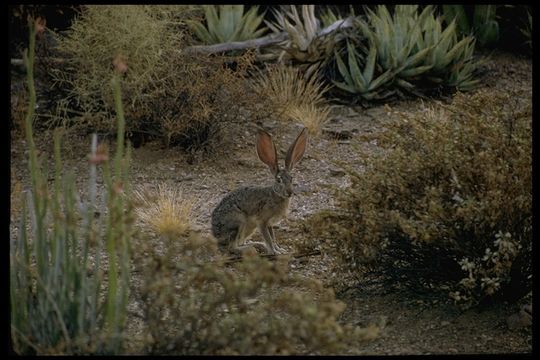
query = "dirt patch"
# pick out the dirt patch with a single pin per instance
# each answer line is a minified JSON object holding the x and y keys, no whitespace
{"x":411,"y":324}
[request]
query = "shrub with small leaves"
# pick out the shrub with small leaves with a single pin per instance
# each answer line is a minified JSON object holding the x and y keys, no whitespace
{"x":453,"y":180}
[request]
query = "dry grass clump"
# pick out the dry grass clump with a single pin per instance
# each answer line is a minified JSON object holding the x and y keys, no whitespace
{"x":293,"y":97}
{"x":167,"y":94}
{"x":166,"y":212}
{"x":448,"y":204}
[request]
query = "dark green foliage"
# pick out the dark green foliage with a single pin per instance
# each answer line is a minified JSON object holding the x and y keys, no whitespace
{"x":482,"y":23}
{"x":448,"y":205}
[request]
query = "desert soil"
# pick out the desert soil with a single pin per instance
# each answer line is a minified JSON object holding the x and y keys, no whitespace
{"x":410,"y":324}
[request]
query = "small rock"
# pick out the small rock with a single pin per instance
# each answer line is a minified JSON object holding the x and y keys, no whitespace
{"x":339,"y":134}
{"x":445,"y":323}
{"x":519,"y":320}
{"x":337,"y":172}
{"x":302,"y":189}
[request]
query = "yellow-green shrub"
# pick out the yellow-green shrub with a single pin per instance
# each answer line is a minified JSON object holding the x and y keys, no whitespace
{"x":447,"y":205}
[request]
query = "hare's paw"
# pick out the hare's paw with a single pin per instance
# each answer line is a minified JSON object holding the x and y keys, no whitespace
{"x":279,"y":250}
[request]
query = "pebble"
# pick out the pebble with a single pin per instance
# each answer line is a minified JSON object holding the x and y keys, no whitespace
{"x":337,"y":172}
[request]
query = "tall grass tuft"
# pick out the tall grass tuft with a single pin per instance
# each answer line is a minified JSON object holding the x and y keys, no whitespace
{"x":293,"y":96}
{"x":69,"y":268}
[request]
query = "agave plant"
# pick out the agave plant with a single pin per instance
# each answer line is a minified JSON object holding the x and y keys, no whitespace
{"x":462,"y":72}
{"x":226,"y":23}
{"x":415,"y":48}
{"x":362,"y":82}
{"x":397,"y":41}
{"x":448,"y":56}
{"x":306,"y":43}
{"x":526,"y":30}
{"x":484,"y":23}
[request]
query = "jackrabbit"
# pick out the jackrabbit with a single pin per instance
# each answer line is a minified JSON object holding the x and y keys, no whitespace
{"x":244,"y":209}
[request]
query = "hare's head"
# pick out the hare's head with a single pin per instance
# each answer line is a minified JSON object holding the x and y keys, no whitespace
{"x":268,"y":154}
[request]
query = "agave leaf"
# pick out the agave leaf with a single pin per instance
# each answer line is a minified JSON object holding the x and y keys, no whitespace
{"x":457,"y":13}
{"x":483,"y":14}
{"x":415,"y":71}
{"x":236,"y":13}
{"x":404,"y":84}
{"x":355,"y":72}
{"x":343,"y":69}
{"x":425,"y":14}
{"x":488,"y":33}
{"x":226,"y":21}
{"x":212,"y":20}
{"x":370,"y":64}
{"x":457,"y":50}
{"x":200,"y":31}
{"x":252,"y":19}
{"x":310,"y":21}
{"x":382,"y":79}
{"x":417,"y":58}
{"x":345,"y":87}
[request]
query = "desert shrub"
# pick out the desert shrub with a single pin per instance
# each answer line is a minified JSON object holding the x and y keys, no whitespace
{"x":293,"y":97}
{"x":195,"y":301}
{"x":59,"y":304}
{"x":181,"y":98}
{"x":447,"y":205}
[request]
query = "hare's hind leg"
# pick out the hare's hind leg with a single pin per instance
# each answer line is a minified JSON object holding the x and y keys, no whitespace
{"x":245,"y":229}
{"x":268,"y":234}
{"x":279,"y":248}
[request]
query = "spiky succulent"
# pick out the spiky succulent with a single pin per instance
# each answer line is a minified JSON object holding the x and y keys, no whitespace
{"x":362,"y":81}
{"x":226,"y":23}
{"x":306,"y":43}
{"x":415,"y":47}
{"x":484,"y":22}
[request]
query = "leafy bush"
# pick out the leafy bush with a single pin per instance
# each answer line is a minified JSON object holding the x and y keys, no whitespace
{"x":56,"y":306}
{"x":448,"y":204}
{"x":197,"y":302}
{"x":179,"y":97}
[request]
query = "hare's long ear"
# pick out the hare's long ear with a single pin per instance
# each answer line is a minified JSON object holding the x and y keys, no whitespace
{"x":296,"y":151}
{"x":267,"y":151}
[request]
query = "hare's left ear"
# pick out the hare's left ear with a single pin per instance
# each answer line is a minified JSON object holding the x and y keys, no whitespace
{"x":296,"y":150}
{"x":267,"y":151}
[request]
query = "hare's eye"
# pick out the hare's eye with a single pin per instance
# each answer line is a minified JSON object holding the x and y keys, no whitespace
{"x":279,"y":180}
